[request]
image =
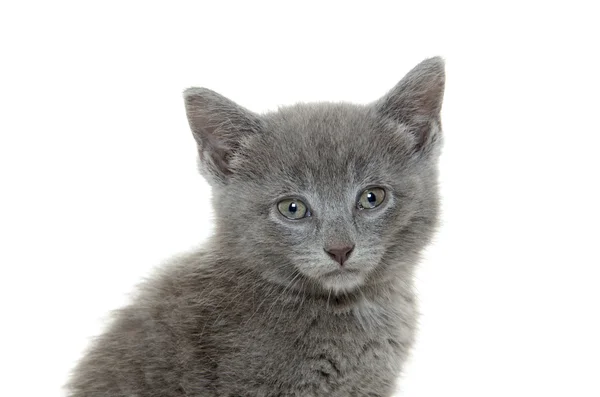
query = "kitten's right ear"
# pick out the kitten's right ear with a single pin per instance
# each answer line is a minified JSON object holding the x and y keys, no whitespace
{"x":218,"y":125}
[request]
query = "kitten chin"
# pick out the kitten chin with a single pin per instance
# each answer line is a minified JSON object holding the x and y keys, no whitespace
{"x":343,"y":281}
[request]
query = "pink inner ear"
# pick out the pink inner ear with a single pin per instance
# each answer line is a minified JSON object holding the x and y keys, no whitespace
{"x":218,"y":124}
{"x":416,"y":101}
{"x":419,"y":94}
{"x":219,"y":153}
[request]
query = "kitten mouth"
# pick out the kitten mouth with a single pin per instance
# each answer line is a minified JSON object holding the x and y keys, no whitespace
{"x":341,"y":272}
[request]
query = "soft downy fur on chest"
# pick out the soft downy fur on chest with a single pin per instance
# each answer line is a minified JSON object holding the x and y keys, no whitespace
{"x":305,"y":289}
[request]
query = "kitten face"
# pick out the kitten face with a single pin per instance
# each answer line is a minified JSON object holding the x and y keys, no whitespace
{"x":325,"y":156}
{"x":332,"y":161}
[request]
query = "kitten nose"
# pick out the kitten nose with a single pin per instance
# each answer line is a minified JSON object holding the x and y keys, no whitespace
{"x":340,"y":253}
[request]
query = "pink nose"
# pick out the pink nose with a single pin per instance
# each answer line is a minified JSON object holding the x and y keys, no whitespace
{"x":340,"y":253}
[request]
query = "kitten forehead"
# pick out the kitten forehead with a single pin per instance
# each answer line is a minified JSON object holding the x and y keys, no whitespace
{"x":326,"y":142}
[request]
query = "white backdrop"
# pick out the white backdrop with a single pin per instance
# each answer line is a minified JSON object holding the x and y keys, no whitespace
{"x":99,"y":185}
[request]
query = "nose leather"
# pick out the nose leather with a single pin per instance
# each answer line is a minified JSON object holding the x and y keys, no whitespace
{"x":340,"y":253}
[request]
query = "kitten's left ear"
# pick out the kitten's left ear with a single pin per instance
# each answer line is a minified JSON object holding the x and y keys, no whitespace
{"x":416,"y":101}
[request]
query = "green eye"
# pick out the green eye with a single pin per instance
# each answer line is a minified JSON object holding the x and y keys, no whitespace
{"x":371,"y":198}
{"x":293,"y":209}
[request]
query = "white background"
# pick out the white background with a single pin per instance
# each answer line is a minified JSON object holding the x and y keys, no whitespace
{"x":99,"y":184}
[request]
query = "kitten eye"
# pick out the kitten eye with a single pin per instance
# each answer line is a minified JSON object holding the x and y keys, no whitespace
{"x":371,"y":198}
{"x":293,"y":209}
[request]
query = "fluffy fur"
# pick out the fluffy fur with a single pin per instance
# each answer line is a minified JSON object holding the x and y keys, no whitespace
{"x":262,"y":310}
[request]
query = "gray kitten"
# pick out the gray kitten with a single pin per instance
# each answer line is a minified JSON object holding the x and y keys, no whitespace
{"x":306,"y":287}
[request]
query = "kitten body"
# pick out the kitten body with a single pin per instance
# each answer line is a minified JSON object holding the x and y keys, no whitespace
{"x":266,"y":309}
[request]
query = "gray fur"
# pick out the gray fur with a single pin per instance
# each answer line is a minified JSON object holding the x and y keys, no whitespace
{"x":258,"y":311}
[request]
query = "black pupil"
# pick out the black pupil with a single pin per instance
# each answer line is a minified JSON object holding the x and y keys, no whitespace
{"x":293,"y":208}
{"x":371,"y":198}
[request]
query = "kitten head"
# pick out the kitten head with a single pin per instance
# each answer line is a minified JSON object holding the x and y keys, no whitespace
{"x":331,"y":195}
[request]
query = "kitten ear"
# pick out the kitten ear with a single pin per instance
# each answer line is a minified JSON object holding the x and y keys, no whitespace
{"x":218,"y":125}
{"x":416,"y":101}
